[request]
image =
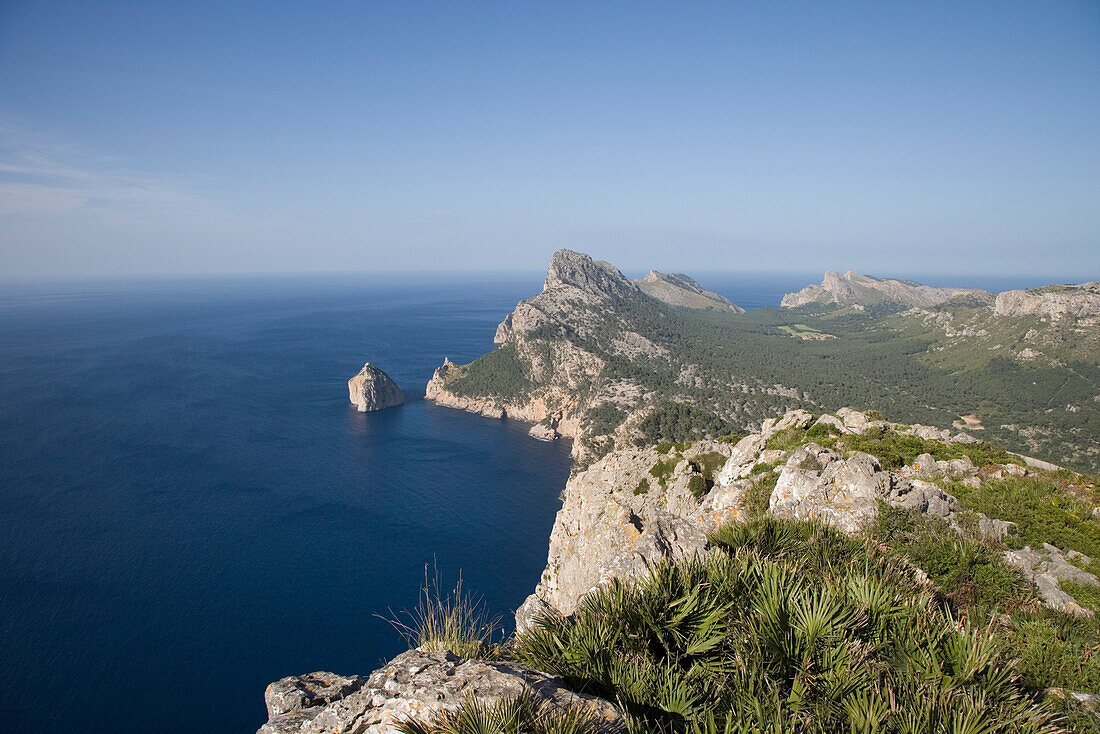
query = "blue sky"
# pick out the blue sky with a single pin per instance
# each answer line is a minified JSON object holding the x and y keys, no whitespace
{"x":226,"y":137}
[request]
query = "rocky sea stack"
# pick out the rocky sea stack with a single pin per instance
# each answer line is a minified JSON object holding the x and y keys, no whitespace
{"x":372,"y":389}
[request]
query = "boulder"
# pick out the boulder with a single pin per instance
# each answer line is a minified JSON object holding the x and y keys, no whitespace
{"x":817,"y":482}
{"x":543,"y":432}
{"x":372,"y":389}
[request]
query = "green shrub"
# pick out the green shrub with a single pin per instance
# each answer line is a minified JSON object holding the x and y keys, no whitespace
{"x":788,"y":439}
{"x":662,"y":470}
{"x":1054,"y":649}
{"x":759,"y":492}
{"x":793,"y":624}
{"x":642,"y":488}
{"x":698,"y":486}
{"x":1085,"y":594}
{"x":710,"y":464}
{"x":895,"y":449}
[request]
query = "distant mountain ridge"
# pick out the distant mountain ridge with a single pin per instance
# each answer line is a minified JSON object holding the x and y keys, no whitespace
{"x":853,"y":288}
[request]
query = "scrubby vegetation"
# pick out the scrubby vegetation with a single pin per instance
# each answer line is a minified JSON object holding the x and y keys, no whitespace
{"x":500,"y":373}
{"x":892,"y":447}
{"x":672,"y":421}
{"x":522,"y":714}
{"x":969,"y":571}
{"x":454,"y":621}
{"x":791,"y":627}
{"x":1041,"y":510}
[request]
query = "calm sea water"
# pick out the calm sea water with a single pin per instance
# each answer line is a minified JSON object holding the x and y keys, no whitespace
{"x":191,"y":508}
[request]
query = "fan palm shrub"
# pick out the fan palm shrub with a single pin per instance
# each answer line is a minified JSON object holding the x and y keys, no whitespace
{"x":786,"y":626}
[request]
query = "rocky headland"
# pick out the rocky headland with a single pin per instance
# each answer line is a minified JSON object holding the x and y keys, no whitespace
{"x":372,"y":389}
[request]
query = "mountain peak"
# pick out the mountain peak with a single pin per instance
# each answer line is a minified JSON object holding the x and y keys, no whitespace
{"x":575,"y":269}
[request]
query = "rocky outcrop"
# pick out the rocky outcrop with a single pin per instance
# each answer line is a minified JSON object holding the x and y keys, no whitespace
{"x":819,"y":483}
{"x":626,"y":511}
{"x":852,"y":288}
{"x":1044,"y":567}
{"x":1053,"y":302}
{"x":372,"y":389}
{"x":579,"y":271}
{"x":415,"y":685}
{"x":677,"y":289}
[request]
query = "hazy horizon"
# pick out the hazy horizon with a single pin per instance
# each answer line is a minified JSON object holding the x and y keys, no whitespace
{"x":141,"y":139}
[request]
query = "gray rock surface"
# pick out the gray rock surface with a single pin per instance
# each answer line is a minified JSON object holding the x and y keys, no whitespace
{"x":414,"y":685}
{"x":372,"y":389}
{"x":617,"y":518}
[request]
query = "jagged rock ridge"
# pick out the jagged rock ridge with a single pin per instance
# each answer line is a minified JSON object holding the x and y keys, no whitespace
{"x":372,"y":389}
{"x":852,"y":288}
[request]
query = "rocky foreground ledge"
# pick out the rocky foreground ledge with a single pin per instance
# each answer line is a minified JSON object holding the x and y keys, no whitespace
{"x":414,"y":685}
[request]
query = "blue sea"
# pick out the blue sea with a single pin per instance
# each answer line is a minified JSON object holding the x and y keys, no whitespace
{"x":191,"y":508}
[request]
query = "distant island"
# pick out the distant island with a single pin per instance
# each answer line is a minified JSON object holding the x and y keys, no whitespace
{"x":372,"y":389}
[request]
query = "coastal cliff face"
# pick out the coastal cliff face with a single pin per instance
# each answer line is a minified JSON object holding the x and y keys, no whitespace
{"x":551,"y":347}
{"x":852,"y":288}
{"x":566,"y":354}
{"x":372,"y":389}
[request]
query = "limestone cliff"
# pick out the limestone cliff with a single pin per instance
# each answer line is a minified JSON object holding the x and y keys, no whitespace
{"x":634,"y":507}
{"x":372,"y":389}
{"x":852,"y":288}
{"x":1053,"y":302}
{"x":677,"y":289}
